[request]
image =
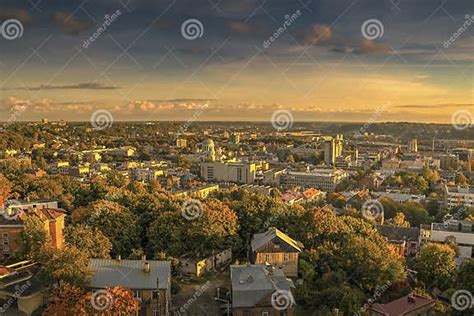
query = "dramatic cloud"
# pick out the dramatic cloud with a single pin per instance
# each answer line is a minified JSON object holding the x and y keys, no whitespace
{"x":68,"y":23}
{"x":9,"y":13}
{"x":319,"y":33}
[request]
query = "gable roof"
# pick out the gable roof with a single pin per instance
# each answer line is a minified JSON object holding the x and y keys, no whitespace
{"x":399,"y":233}
{"x":130,"y":274}
{"x":402,"y":306}
{"x":273,"y":235}
{"x":44,"y":214}
{"x":253,"y":285}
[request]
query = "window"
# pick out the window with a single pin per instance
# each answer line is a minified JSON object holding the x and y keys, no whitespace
{"x":6,"y":242}
{"x":267,"y":258}
{"x":155,"y":295}
{"x":138,"y":294}
{"x":264,"y":313}
{"x":286,"y":257}
{"x":156,"y":312}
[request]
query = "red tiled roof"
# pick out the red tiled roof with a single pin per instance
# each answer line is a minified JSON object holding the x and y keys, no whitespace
{"x":402,"y":306}
{"x":4,"y":271}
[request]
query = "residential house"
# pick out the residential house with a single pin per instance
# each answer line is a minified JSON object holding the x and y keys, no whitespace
{"x":12,"y":226}
{"x":411,"y":305}
{"x":261,"y":290}
{"x":21,"y":292}
{"x":196,"y":267}
{"x":404,"y":240}
{"x":150,"y":281}
{"x":278,"y":249}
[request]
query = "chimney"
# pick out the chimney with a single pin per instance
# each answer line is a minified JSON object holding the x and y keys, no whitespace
{"x":146,"y":267}
{"x":411,"y":298}
{"x":119,"y":258}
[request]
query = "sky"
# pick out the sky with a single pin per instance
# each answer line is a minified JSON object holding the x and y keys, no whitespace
{"x":320,"y":60}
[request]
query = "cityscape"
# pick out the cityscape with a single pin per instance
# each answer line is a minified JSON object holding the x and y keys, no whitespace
{"x":245,"y":158}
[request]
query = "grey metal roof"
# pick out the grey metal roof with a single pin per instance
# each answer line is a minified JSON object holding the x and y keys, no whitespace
{"x":129,"y":274}
{"x":253,"y":283}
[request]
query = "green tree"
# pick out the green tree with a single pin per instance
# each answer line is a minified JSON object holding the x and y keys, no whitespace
{"x":116,"y":222}
{"x":436,"y":265}
{"x":465,"y":277}
{"x":89,"y":240}
{"x":33,"y":237}
{"x":398,"y":220}
{"x":67,"y":264}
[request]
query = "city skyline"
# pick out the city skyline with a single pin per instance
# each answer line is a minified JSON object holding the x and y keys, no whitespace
{"x":323,"y":66}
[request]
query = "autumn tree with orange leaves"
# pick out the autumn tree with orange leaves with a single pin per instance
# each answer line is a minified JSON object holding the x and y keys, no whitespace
{"x":70,"y":300}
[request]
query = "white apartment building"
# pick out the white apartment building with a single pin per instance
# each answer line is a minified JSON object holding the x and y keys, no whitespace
{"x":463,"y":231}
{"x":322,"y":179}
{"x":235,"y":171}
{"x":456,"y":196}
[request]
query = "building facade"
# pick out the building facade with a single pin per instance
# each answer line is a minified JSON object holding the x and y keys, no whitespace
{"x":322,"y":179}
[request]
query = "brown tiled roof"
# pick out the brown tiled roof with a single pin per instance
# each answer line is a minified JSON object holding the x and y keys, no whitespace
{"x":44,"y":214}
{"x":402,"y":306}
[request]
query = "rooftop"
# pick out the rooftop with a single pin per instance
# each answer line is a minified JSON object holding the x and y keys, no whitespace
{"x":130,"y":274}
{"x":251,"y":284}
{"x":402,"y":306}
{"x":274,"y":235}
